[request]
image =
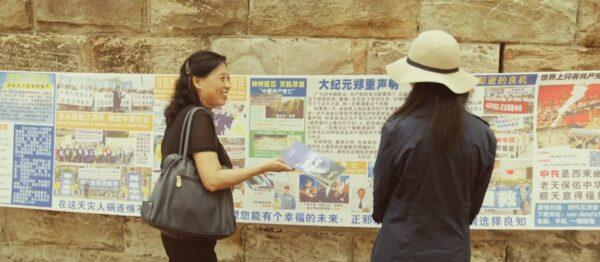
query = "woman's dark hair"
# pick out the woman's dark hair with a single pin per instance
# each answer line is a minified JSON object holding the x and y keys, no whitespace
{"x":448,"y":111}
{"x":199,"y":64}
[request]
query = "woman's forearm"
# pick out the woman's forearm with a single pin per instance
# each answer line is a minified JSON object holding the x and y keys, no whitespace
{"x":227,"y":178}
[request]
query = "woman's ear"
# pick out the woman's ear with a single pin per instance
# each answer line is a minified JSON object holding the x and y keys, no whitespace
{"x":197,"y":81}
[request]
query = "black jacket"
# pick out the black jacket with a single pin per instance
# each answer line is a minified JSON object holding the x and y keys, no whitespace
{"x":424,"y":199}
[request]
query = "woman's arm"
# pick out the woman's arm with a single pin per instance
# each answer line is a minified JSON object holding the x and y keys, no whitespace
{"x":215,"y":178}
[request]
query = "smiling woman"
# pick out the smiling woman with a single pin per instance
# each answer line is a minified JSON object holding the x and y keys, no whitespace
{"x":203,"y":82}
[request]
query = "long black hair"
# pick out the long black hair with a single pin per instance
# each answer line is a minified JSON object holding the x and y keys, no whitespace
{"x":199,"y":64}
{"x":447,"y":115}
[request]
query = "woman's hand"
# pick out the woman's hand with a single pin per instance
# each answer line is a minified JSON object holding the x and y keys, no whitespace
{"x":275,"y":165}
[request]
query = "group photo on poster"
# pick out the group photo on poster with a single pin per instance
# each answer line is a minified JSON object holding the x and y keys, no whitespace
{"x":106,"y":183}
{"x":100,"y":147}
{"x":118,"y":93}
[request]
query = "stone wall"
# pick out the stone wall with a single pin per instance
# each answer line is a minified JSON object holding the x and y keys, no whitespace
{"x":281,"y":37}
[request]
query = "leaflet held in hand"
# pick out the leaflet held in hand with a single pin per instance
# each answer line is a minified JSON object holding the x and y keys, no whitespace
{"x":314,"y":164}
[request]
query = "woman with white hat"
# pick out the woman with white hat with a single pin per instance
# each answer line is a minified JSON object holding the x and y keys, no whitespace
{"x":435,"y":159}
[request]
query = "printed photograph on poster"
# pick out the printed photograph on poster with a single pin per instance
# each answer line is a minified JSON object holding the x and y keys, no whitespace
{"x":286,"y":190}
{"x":277,"y":104}
{"x":285,"y":198}
{"x":265,"y":144}
{"x":361,"y":195}
{"x":312,"y":190}
{"x":569,"y":116}
{"x":514,"y":135}
{"x":236,"y":149}
{"x":510,"y":189}
{"x":102,"y":147}
{"x":27,"y":97}
{"x":118,"y":93}
{"x":362,"y":198}
{"x":508,"y":100}
{"x":118,"y":183}
{"x":231,"y":120}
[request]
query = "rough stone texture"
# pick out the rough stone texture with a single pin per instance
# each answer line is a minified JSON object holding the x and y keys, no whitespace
{"x":290,"y":55}
{"x":231,"y":249}
{"x":588,"y":238}
{"x":362,"y":245}
{"x":549,"y":253}
{"x":84,"y":16}
{"x":588,"y":23}
{"x":51,"y":253}
{"x":142,"y":240}
{"x":476,"y":58}
{"x":2,"y":224}
{"x":14,"y":16}
{"x":43,"y":53}
{"x":142,"y":54}
{"x":488,"y":251}
{"x":199,"y":17}
{"x":45,"y":253}
{"x":528,"y":58}
{"x":550,"y":237}
{"x":524,"y":21}
{"x":87,"y":231}
{"x":347,"y":18}
{"x":279,"y":243}
{"x":114,"y":256}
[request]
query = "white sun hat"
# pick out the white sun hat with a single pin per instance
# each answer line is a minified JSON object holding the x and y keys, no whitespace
{"x":434,"y":56}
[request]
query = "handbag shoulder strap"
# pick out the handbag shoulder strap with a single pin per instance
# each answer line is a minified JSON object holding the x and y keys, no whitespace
{"x":186,"y":131}
{"x":183,"y":129}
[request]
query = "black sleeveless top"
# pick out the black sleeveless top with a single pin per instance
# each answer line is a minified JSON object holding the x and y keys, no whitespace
{"x":203,"y":136}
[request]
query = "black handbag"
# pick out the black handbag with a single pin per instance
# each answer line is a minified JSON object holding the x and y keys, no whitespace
{"x":179,"y":203}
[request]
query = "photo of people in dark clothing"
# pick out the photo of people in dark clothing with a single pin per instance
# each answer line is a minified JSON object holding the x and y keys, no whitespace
{"x":311,"y":190}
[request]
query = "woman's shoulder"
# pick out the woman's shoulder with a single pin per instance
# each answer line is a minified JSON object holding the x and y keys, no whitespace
{"x":478,"y":123}
{"x":479,"y":131}
{"x":400,"y":122}
{"x":200,"y":114}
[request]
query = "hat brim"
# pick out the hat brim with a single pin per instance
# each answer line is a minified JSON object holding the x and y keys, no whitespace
{"x":459,"y":82}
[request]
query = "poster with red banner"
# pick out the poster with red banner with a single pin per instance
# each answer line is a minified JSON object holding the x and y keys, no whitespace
{"x":567,"y":168}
